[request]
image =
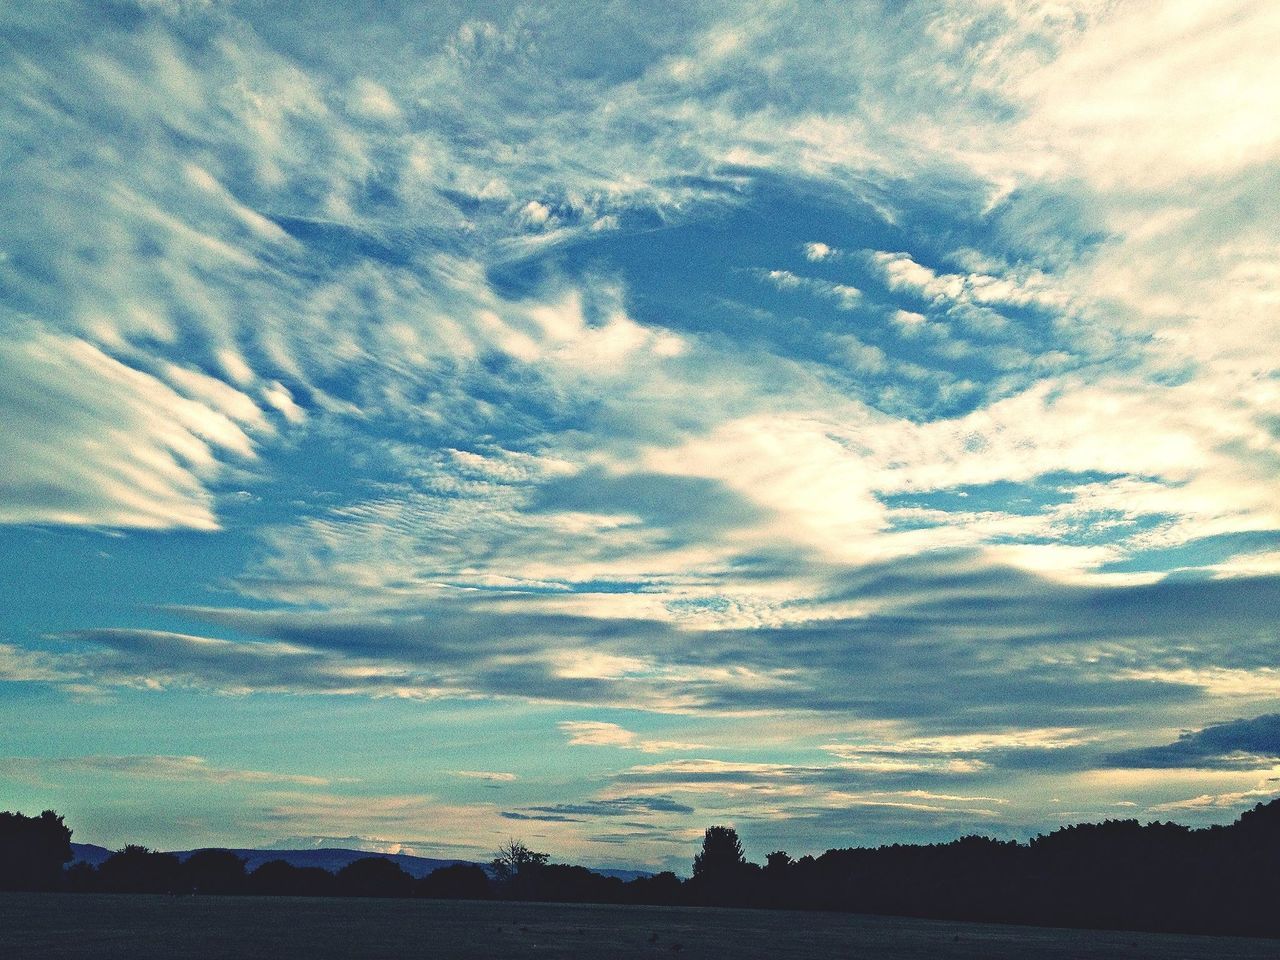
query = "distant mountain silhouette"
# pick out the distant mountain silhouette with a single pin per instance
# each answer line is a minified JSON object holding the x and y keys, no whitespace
{"x":89,"y":853}
{"x":332,"y":859}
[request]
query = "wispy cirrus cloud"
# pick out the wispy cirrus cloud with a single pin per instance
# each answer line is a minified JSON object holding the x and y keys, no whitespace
{"x":157,"y":767}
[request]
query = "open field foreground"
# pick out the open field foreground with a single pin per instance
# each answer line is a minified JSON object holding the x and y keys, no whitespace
{"x":104,"y":926}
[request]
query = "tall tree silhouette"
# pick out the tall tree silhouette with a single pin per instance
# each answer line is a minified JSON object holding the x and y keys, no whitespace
{"x":721,"y":854}
{"x":32,"y":851}
{"x":720,"y":871}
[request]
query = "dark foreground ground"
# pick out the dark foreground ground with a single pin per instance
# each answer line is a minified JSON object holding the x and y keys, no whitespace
{"x":105,"y":926}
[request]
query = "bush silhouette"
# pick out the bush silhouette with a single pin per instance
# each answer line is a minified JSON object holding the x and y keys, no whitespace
{"x":373,"y":877}
{"x":213,"y":871}
{"x":280,"y":878}
{"x":459,"y":881}
{"x":138,"y":870}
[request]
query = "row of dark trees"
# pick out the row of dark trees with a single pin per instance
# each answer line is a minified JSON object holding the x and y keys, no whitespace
{"x":139,"y":870}
{"x":1117,"y":874}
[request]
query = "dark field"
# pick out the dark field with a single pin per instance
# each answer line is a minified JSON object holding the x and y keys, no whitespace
{"x":139,"y":927}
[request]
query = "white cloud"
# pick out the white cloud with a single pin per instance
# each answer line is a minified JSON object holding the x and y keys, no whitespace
{"x":1018,"y":287}
{"x":845,"y":296}
{"x":1218,"y":801}
{"x":370,"y":99}
{"x":1048,"y":738}
{"x":17,"y":664}
{"x":1261,"y":684}
{"x":596,"y":733}
{"x":1162,"y":91}
{"x":153,"y":767}
{"x":489,"y":776}
{"x":93,"y":441}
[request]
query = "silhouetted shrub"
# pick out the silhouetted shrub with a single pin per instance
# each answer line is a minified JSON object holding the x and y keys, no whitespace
{"x":81,"y":878}
{"x":138,"y":870}
{"x":459,"y":881}
{"x":663,"y":889}
{"x":373,"y":877}
{"x":562,"y":883}
{"x":279,"y":878}
{"x":213,"y":871}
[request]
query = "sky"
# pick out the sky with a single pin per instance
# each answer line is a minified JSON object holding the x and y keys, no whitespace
{"x":426,"y":424}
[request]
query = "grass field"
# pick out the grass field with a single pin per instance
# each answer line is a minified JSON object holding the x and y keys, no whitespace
{"x":103,"y":926}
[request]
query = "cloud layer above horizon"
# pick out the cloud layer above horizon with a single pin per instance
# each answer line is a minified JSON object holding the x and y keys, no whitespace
{"x":853,"y":422}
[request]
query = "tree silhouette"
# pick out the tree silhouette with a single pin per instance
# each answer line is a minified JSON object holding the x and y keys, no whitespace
{"x":515,"y":868}
{"x":721,"y":854}
{"x":720,"y":871}
{"x":32,"y":851}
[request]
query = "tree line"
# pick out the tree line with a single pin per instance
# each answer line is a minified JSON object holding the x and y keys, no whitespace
{"x":1115,"y":874}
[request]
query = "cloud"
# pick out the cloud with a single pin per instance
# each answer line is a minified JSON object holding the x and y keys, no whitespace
{"x":844,"y":296}
{"x":378,"y":817}
{"x":28,"y":666}
{"x":966,"y":753}
{"x":1206,"y":68}
{"x":597,"y":733}
{"x":1081,"y":659}
{"x":487,"y":776}
{"x":586,"y":811}
{"x":166,"y":768}
{"x":773,"y":793}
{"x":1039,"y":739}
{"x":1221,"y":801}
{"x":156,"y":660}
{"x":1020,"y":288}
{"x":1235,"y":745}
{"x":92,"y":441}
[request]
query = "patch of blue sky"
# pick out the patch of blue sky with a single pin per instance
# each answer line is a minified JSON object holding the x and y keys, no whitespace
{"x":1196,"y":555}
{"x":737,"y":273}
{"x":63,"y":578}
{"x":335,"y":244}
{"x":1118,"y":528}
{"x":1006,"y":496}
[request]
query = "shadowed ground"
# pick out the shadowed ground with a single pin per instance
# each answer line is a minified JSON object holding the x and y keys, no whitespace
{"x":104,"y":926}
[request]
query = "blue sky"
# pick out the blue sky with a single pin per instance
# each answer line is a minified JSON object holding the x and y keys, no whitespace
{"x":435,"y":423}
